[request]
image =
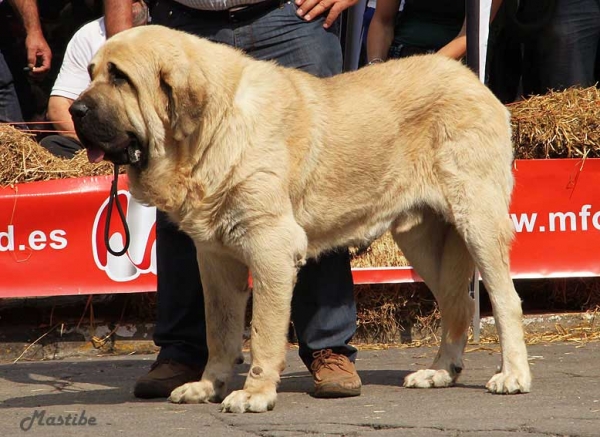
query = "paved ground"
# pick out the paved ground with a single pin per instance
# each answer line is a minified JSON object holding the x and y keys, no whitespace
{"x":565,"y":400}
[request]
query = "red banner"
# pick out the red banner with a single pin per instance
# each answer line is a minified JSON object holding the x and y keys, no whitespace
{"x":52,"y":233}
{"x":556,"y":213}
{"x":52,"y":240}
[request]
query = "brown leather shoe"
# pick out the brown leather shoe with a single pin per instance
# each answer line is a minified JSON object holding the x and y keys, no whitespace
{"x":335,"y":375}
{"x":164,"y":377}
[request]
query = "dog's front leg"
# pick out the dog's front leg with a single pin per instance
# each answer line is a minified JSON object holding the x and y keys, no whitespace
{"x":275,"y":252}
{"x":225,"y":284}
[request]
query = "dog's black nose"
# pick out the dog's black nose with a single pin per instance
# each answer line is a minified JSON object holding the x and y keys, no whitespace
{"x":78,"y":109}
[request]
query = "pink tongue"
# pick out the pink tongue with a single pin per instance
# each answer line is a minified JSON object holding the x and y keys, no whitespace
{"x":95,"y":155}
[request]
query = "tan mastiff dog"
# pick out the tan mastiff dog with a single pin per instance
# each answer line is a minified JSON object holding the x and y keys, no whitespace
{"x":265,"y":166}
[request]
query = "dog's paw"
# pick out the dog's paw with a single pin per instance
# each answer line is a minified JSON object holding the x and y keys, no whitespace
{"x":427,"y":378}
{"x":509,"y":383}
{"x":242,"y":401}
{"x":193,"y":393}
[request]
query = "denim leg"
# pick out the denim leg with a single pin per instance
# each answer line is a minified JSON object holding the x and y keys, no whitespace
{"x":564,"y":53}
{"x":176,"y":16}
{"x":10,"y":110}
{"x":284,"y":37}
{"x":323,"y":307}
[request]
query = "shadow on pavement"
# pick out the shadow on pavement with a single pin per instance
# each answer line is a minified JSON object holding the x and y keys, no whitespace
{"x":111,"y":381}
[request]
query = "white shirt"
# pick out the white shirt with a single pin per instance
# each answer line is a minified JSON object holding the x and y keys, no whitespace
{"x":73,"y":77}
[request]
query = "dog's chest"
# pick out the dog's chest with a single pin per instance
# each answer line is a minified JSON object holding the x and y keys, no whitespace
{"x":181,"y":197}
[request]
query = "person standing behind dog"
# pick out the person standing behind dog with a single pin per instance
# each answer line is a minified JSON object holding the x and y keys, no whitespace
{"x":565,"y":51}
{"x":73,"y":78}
{"x":301,"y":35}
{"x":423,"y":26}
{"x":39,"y":58}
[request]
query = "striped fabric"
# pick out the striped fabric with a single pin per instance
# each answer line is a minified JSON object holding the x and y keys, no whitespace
{"x":216,"y":5}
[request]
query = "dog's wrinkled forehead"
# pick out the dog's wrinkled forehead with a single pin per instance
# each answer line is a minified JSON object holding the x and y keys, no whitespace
{"x":111,"y":59}
{"x":126,"y":52}
{"x":130,"y":53}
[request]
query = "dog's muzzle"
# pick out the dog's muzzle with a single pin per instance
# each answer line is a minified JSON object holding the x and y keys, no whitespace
{"x":102,"y":142}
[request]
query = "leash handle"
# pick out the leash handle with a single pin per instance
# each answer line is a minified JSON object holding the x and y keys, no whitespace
{"x":112,"y":199}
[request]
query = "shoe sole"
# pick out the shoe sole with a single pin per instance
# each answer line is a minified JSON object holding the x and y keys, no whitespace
{"x":335,"y":391}
{"x":150,"y":391}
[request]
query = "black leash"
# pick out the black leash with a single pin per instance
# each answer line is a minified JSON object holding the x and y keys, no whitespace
{"x":111,"y":201}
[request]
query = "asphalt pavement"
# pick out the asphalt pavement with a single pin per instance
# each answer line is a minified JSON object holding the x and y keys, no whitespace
{"x":93,"y":397}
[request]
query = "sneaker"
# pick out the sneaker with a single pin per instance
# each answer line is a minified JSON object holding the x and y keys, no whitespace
{"x":164,"y":377}
{"x":335,"y":375}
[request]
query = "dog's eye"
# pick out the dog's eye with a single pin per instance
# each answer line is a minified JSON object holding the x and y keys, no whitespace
{"x":117,"y":76}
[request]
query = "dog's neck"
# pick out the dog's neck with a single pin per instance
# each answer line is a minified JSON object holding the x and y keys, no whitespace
{"x":179,"y":182}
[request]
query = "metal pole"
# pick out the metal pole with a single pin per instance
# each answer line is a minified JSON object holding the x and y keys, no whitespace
{"x":353,"y":35}
{"x":472,"y":14}
{"x":477,"y":13}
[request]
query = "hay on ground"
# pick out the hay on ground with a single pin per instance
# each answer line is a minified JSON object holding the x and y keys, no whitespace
{"x":585,"y":332}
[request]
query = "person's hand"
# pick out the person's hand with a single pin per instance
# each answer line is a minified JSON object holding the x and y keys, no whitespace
{"x":310,"y":9}
{"x":39,"y":55}
{"x":456,"y":49}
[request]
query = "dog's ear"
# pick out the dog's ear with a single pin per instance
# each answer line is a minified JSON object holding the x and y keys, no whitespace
{"x":184,"y":88}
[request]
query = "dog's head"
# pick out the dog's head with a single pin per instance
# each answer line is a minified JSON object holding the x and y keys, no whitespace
{"x":145,"y":91}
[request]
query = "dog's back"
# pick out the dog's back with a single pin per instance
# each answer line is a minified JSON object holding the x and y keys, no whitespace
{"x":389,"y":138}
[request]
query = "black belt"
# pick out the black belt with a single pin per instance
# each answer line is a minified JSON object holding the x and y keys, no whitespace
{"x":233,"y":15}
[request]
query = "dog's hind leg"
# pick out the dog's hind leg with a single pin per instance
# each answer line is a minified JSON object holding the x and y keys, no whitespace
{"x":488,"y":233}
{"x":225,"y":284}
{"x":274,"y":250}
{"x":440,"y":257}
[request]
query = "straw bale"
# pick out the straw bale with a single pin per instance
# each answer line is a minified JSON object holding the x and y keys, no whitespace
{"x":563,"y":124}
{"x":24,"y":160}
{"x":573,"y":293}
{"x":383,"y":252}
{"x":392,"y":313}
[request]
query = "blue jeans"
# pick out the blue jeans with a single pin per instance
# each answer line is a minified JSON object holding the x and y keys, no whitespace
{"x":323,"y":308}
{"x":10,"y":110}
{"x":564,"y":53}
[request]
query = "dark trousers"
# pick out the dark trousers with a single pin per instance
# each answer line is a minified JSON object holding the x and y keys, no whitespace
{"x":60,"y":145}
{"x":323,"y":308}
{"x":10,"y":110}
{"x":565,"y":52}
